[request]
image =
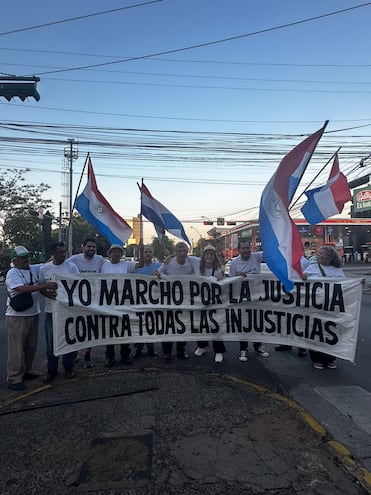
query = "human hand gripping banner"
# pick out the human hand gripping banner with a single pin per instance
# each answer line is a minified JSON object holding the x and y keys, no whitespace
{"x":100,"y":309}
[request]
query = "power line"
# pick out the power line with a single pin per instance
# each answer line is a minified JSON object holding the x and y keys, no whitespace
{"x":186,"y":61}
{"x":210,"y":43}
{"x":78,"y":18}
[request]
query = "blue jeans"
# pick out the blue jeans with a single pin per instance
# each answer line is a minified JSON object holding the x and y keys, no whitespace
{"x":67,"y":359}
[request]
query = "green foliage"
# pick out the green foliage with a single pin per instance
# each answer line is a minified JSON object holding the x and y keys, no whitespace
{"x":17,"y":199}
{"x":162,"y":249}
{"x":23,"y":230}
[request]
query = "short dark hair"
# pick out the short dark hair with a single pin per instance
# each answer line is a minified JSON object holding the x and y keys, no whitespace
{"x":181,"y":245}
{"x":55,"y":245}
{"x":89,"y":239}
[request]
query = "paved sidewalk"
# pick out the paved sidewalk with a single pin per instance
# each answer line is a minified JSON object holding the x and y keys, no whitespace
{"x":165,"y":429}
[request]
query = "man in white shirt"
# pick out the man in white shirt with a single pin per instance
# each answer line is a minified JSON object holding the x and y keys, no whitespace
{"x":22,"y":326}
{"x":180,"y":264}
{"x":58,"y":264}
{"x":88,"y":262}
{"x":247,"y":262}
{"x":117,"y":265}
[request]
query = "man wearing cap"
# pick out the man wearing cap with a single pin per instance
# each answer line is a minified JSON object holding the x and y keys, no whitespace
{"x":22,"y":326}
{"x":88,"y":262}
{"x":58,"y":264}
{"x":117,"y":265}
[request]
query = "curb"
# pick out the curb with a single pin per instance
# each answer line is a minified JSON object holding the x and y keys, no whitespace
{"x":362,"y":475}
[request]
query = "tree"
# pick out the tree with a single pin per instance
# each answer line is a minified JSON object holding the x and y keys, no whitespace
{"x":16,"y":200}
{"x":23,"y":230}
{"x":162,"y":249}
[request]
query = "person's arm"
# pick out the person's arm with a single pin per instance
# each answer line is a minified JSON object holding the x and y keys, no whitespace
{"x":51,"y":286}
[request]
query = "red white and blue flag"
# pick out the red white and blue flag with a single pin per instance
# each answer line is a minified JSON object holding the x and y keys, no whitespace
{"x":162,"y":219}
{"x":93,"y":206}
{"x":280,"y":238}
{"x":328,"y":200}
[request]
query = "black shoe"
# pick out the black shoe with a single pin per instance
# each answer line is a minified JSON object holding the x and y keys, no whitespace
{"x":17,"y":387}
{"x":182,"y":355}
{"x":30,"y":376}
{"x":282,"y":348}
{"x":138,"y":354}
{"x":167,"y":358}
{"x":109,"y":362}
{"x":68,"y":374}
{"x":302,"y":352}
{"x":50,"y":376}
{"x":126,"y":360}
{"x":151,"y":352}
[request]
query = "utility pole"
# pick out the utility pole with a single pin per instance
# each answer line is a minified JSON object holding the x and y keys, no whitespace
{"x":71,"y":154}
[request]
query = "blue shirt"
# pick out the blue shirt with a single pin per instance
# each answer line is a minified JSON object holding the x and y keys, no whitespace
{"x":148,"y":269}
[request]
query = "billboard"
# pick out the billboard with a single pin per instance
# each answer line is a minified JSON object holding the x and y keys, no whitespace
{"x":362,"y":199}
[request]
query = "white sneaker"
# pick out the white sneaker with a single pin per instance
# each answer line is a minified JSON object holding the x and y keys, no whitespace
{"x":200,"y":351}
{"x":219,"y":357}
{"x":262,"y":352}
{"x":318,"y":366}
{"x":243,"y":356}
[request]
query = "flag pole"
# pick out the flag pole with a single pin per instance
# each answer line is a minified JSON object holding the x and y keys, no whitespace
{"x":69,"y":228}
{"x":319,"y":173}
{"x":141,"y":243}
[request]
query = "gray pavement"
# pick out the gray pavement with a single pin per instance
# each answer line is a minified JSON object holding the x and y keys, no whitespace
{"x":188,"y":427}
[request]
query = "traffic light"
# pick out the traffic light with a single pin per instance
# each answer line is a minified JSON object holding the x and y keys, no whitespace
{"x":19,"y":87}
{"x":231,"y":223}
{"x":208,"y":222}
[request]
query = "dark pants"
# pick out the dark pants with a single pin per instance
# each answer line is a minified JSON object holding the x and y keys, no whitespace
{"x":124,"y":351}
{"x":140,"y":346}
{"x":321,"y":357}
{"x":167,"y":347}
{"x":244,"y":345}
{"x":67,"y":359}
{"x":218,"y":346}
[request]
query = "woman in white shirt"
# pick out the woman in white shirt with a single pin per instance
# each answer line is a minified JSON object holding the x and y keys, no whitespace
{"x":328,"y":265}
{"x":210,"y":268}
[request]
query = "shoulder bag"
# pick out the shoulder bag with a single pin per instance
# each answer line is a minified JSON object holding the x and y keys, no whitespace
{"x":22,"y":301}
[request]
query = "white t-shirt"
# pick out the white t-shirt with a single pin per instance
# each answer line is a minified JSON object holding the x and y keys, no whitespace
{"x":313,"y":271}
{"x":252,"y":265}
{"x":190,"y":267}
{"x":213,"y":274}
{"x":122,"y":266}
{"x":17,"y":277}
{"x":87,"y":265}
{"x":46,"y":272}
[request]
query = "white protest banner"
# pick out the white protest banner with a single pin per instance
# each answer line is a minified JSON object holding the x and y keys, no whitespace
{"x":96,"y":309}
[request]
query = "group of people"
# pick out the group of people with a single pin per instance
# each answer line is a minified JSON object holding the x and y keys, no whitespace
{"x":22,"y":327}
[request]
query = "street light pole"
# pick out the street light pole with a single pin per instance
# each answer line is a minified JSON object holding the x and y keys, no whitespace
{"x":70,"y":154}
{"x":200,"y":240}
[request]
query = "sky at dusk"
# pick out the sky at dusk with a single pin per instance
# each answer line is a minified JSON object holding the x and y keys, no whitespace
{"x":200,"y":98}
